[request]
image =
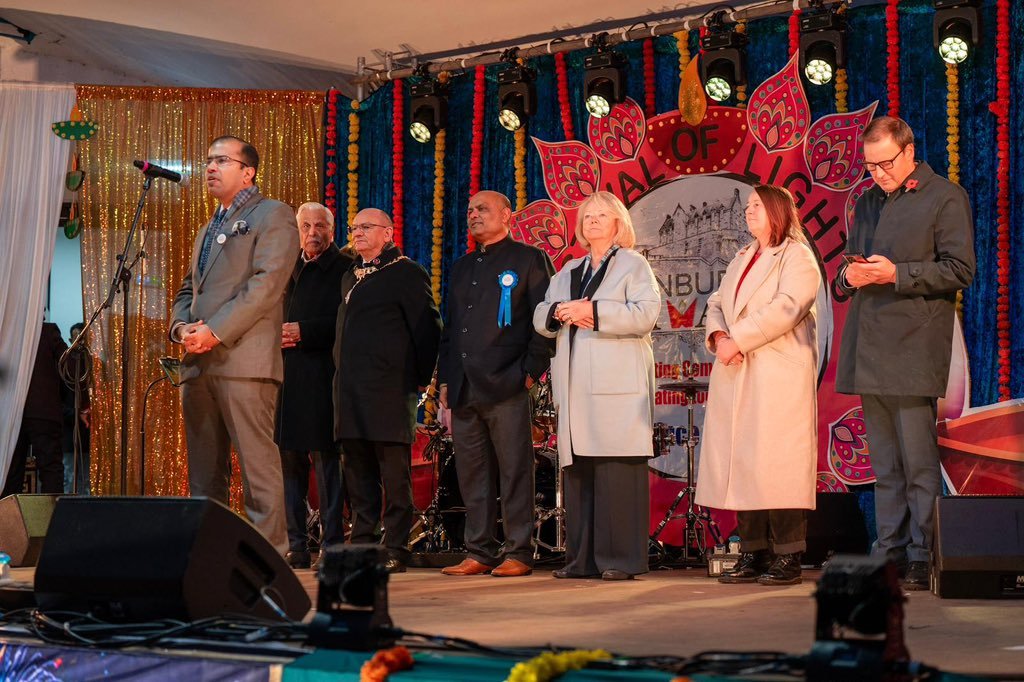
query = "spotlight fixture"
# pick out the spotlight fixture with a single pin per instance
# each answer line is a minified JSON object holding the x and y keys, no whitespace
{"x":517,"y":96}
{"x":429,"y":110}
{"x":822,"y":40}
{"x":722,"y":63}
{"x":957,"y":28}
{"x":604,"y":82}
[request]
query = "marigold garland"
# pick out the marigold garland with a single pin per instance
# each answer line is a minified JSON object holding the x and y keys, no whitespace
{"x":741,"y":89}
{"x":550,"y":665}
{"x":1001,"y":108}
{"x":564,"y":108}
{"x":794,"y":30}
{"x":650,"y":104}
{"x":477,"y":145}
{"x":520,"y":164}
{"x":683,"y":45}
{"x":437,"y":231}
{"x":892,"y":63}
{"x":398,"y":167}
{"x":842,"y":91}
{"x":353,"y":163}
{"x":385,"y":662}
{"x":331,"y":152}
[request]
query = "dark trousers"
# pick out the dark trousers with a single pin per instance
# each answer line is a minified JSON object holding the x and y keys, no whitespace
{"x":607,"y":515}
{"x":373,"y":469}
{"x":905,"y":459}
{"x":783,"y":531}
{"x":45,"y":438}
{"x":494,"y":451}
{"x":295,"y":467}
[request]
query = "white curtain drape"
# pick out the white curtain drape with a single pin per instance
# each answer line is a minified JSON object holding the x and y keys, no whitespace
{"x":33,"y":162}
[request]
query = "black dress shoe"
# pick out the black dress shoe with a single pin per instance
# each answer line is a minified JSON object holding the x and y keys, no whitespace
{"x":748,"y":569}
{"x":297,"y":559}
{"x":563,"y":573}
{"x":393,"y":565}
{"x":917,"y":576}
{"x":785,"y":570}
{"x":616,"y":574}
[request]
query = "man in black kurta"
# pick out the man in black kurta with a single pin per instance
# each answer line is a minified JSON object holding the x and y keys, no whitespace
{"x":305,"y":415}
{"x":490,"y":356}
{"x":914,"y":239}
{"x":385,"y":351}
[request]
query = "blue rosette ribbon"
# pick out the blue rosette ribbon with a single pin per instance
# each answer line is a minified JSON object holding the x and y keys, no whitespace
{"x":507,"y":281}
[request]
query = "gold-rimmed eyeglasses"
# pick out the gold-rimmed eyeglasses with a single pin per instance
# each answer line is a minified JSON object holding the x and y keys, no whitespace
{"x":224,"y":160}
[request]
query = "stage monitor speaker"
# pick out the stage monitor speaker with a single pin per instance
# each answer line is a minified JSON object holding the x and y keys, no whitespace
{"x":979,"y":547}
{"x":136,"y":559}
{"x":835,"y":526}
{"x":23,"y":523}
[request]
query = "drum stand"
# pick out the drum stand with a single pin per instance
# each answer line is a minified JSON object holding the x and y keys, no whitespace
{"x":431,"y":520}
{"x":694,"y":536}
{"x":557,"y":513}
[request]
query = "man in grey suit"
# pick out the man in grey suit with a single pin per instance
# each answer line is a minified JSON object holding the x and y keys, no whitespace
{"x":228,"y":315}
{"x":911,"y":248}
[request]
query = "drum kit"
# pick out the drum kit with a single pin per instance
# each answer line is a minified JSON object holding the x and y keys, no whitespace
{"x":441,"y":524}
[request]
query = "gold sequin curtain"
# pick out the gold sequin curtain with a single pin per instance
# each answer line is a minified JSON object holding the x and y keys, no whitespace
{"x":171,"y":127}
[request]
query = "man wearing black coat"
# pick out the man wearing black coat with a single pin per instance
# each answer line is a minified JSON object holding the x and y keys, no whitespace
{"x":305,"y":415}
{"x":911,"y":248}
{"x":41,"y":422}
{"x":385,"y":351}
{"x":490,"y":356}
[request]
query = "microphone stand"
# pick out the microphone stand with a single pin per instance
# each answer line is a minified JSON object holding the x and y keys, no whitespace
{"x":142,"y":434}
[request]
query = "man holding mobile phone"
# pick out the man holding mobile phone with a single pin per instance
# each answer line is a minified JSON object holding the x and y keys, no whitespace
{"x":917,"y":232}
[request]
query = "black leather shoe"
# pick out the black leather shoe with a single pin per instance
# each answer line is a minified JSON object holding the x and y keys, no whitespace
{"x":616,"y":574}
{"x":563,"y":573}
{"x":297,"y":559}
{"x":748,"y":569}
{"x":785,"y":570}
{"x":917,"y":577}
{"x":393,"y":565}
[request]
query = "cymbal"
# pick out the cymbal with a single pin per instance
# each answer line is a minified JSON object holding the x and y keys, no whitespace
{"x":687,"y":386}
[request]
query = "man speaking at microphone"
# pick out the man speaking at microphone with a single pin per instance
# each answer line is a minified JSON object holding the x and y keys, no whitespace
{"x":228,"y":315}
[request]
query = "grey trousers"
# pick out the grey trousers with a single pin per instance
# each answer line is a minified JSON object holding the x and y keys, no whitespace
{"x":783,"y":531}
{"x":607,"y":515}
{"x":220,"y":412}
{"x":905,"y":458}
{"x":494,"y":451}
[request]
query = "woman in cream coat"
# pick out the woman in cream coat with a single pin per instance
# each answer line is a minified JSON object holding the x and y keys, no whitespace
{"x":760,"y":446}
{"x":601,"y":309}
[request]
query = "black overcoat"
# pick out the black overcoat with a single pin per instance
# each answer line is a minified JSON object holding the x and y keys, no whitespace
{"x":385,"y":349}
{"x":305,"y":414}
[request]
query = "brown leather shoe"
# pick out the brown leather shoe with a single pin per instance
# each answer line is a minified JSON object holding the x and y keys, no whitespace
{"x":512,"y":568}
{"x":467,"y":567}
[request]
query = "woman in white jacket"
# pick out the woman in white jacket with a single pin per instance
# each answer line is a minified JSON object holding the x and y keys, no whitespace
{"x":601,"y":309}
{"x":760,"y":445}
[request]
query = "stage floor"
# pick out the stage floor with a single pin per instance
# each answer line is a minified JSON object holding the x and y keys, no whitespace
{"x":682,"y":612}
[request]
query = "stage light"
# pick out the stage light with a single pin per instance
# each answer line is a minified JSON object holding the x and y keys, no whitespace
{"x":428,"y":110}
{"x":722,"y":63}
{"x":822,"y":40}
{"x":604,"y":82}
{"x":517,"y":97}
{"x":956,"y":28}
{"x":352,"y":599}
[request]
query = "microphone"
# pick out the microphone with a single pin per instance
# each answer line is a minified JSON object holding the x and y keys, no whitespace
{"x":153,"y":171}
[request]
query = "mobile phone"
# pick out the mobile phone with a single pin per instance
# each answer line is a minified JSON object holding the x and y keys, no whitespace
{"x":854,"y":258}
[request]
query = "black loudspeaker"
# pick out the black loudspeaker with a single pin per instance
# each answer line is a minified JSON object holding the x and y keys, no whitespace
{"x":23,"y":523}
{"x":979,"y":547}
{"x":136,"y":559}
{"x":835,"y":526}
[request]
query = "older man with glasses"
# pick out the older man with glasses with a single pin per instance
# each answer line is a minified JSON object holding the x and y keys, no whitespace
{"x":228,"y":315}
{"x":385,"y":348}
{"x":911,"y":248}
